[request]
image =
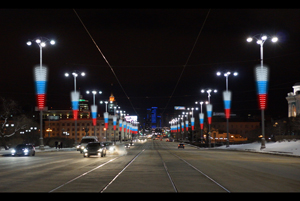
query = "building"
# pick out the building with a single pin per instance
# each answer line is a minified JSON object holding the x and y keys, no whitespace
{"x":293,"y":99}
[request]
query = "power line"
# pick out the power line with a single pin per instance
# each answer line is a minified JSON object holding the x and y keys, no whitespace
{"x":112,"y":70}
{"x":187,"y":61}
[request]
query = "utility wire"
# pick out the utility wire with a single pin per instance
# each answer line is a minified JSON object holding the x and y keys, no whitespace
{"x":187,"y":61}
{"x":112,"y":70}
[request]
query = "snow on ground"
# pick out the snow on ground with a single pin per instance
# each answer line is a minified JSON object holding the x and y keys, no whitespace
{"x":285,"y":147}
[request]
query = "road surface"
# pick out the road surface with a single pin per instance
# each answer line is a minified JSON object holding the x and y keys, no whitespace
{"x":153,"y":166}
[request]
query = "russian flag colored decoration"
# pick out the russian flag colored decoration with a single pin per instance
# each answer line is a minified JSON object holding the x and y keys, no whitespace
{"x":193,"y":123}
{"x":187,"y":125}
{"x":94,"y":114}
{"x":120,"y":124}
{"x":209,"y":112}
{"x":115,"y":122}
{"x":134,"y":129}
{"x":75,"y":103}
{"x":262,"y":73}
{"x":105,"y":119}
{"x":227,"y":103}
{"x":124,"y":126}
{"x":201,"y":117}
{"x":40,"y":74}
{"x":182,"y":126}
{"x":178,"y":127}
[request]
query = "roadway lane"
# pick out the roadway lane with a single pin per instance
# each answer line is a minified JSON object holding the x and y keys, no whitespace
{"x":68,"y":171}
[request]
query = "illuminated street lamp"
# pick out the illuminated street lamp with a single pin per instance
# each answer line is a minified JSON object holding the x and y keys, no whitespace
{"x":209,"y":112}
{"x":94,"y":109}
{"x":201,"y":119}
{"x":75,"y":99}
{"x":40,"y":73}
{"x":227,"y":101}
{"x":261,"y":75}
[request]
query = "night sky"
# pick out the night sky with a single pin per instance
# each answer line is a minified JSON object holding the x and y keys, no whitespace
{"x":147,"y":49}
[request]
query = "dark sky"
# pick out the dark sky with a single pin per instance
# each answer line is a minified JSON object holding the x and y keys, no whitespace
{"x":147,"y":49}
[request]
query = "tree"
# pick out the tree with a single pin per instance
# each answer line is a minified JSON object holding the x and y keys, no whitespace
{"x":10,"y":115}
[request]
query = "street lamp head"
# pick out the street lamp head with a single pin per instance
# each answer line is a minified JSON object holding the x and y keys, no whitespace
{"x":264,"y":37}
{"x":52,"y":42}
{"x":87,"y":92}
{"x":274,"y":39}
{"x":235,"y":73}
{"x":29,"y":43}
{"x":43,"y":44}
{"x":94,"y":92}
{"x":67,"y":74}
{"x":249,"y":39}
{"x":100,"y":92}
{"x":202,"y":90}
{"x":38,"y":41}
{"x":218,"y":73}
{"x":259,"y":42}
{"x":83,"y":74}
{"x":101,"y":102}
{"x":215,"y":91}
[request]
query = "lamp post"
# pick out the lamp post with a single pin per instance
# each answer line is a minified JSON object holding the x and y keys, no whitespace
{"x":40,"y":73}
{"x":105,"y":114}
{"x":201,"y":119}
{"x":227,"y":101}
{"x":94,"y":109}
{"x":75,"y":99}
{"x":209,"y":112}
{"x":262,"y":73}
{"x":192,"y":121}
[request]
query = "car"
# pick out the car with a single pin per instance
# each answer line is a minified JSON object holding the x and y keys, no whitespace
{"x":84,"y":141}
{"x":127,"y":146}
{"x":181,"y":145}
{"x":94,"y":148}
{"x":110,"y":147}
{"x":23,"y":149}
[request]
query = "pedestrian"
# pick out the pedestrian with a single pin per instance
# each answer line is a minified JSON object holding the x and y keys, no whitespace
{"x":56,"y":143}
{"x":61,"y":145}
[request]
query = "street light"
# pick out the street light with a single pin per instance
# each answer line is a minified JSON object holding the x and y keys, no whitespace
{"x":227,"y":101}
{"x":75,"y":99}
{"x":209,"y":112}
{"x":94,"y":109}
{"x":262,"y":73}
{"x":40,"y":73}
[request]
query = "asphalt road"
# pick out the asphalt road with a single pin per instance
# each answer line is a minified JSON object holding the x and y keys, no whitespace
{"x":154,"y":166}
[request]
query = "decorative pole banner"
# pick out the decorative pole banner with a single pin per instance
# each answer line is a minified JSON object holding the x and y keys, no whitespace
{"x":115,"y":122}
{"x":134,"y":129}
{"x":75,"y":103}
{"x":120,"y":124}
{"x":40,"y":75}
{"x":182,"y":126}
{"x":94,"y":114}
{"x":201,"y":117}
{"x":193,"y":123}
{"x":128,"y":127}
{"x":227,"y":103}
{"x":187,"y":125}
{"x":262,"y":73}
{"x":105,"y":119}
{"x":178,"y":127}
{"x":209,"y":112}
{"x":124,"y":127}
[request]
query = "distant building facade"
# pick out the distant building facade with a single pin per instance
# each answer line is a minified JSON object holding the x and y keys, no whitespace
{"x":293,"y":99}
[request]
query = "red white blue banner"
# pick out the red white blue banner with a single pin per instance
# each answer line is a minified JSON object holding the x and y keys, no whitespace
{"x":227,"y":103}
{"x":94,"y":114}
{"x":209,"y":112}
{"x":262,"y":85}
{"x":75,"y":103}
{"x":40,"y":75}
{"x":105,"y":119}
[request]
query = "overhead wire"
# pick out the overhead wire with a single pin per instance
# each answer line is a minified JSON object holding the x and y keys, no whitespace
{"x":184,"y":66}
{"x":111,"y":68}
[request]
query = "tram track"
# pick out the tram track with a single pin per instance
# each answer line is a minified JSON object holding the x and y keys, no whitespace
{"x":189,"y":164}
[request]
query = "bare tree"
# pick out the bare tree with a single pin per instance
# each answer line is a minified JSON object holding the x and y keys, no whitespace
{"x":10,"y":114}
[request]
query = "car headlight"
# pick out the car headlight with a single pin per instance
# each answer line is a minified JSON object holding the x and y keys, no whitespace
{"x":78,"y":146}
{"x":13,"y":151}
{"x":25,"y":150}
{"x":82,"y":147}
{"x":111,"y":148}
{"x":85,"y":150}
{"x":100,"y":149}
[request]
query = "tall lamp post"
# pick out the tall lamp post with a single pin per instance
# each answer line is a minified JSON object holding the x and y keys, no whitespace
{"x":209,"y":112}
{"x":201,"y":120}
{"x":227,"y":101}
{"x":94,"y":109}
{"x":40,"y":73}
{"x":75,"y":100}
{"x":262,"y":73}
